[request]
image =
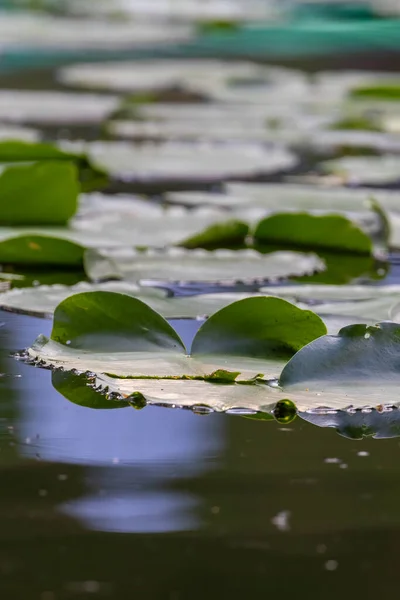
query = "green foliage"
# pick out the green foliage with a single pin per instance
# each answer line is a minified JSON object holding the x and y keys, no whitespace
{"x":228,"y":233}
{"x":357,"y":124}
{"x":303,"y":230}
{"x":380,"y":91}
{"x":45,"y":193}
{"x":358,"y":353}
{"x":107,"y":332}
{"x":41,"y":250}
{"x":106,"y":321}
{"x":90,"y":177}
{"x":259,"y":328}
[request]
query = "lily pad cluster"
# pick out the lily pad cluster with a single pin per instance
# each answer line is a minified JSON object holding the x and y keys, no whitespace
{"x":259,"y":355}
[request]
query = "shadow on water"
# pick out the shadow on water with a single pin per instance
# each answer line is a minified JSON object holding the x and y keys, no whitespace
{"x":168,"y":504}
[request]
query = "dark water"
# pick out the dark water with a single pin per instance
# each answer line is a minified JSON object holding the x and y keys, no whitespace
{"x":166,"y":504}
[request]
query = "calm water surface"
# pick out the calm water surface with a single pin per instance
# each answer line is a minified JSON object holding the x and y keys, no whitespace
{"x":166,"y":504}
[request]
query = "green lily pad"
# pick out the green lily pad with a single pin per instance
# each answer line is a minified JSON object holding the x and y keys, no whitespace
{"x":366,"y":211}
{"x":104,"y":222}
{"x":356,"y":368}
{"x":380,"y":91}
{"x":40,"y":250}
{"x":105,"y":332}
{"x":357,"y":123}
{"x":233,"y":331}
{"x":332,"y":232}
{"x":39,"y":194}
{"x":17,"y":151}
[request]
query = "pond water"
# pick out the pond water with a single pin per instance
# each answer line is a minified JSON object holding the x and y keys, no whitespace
{"x":164,"y":503}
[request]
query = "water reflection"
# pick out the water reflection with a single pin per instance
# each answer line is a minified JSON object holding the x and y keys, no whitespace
{"x":138,"y":452}
{"x":380,"y":423}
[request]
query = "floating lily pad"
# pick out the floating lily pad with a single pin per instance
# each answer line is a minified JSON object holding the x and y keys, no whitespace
{"x":18,"y":151}
{"x":177,"y":264}
{"x":361,"y":206}
{"x":197,"y":75}
{"x":214,"y":121}
{"x":42,"y":300}
{"x":244,"y":129}
{"x":284,"y":196}
{"x":357,"y":141}
{"x":178,"y":161}
{"x":233,"y":10}
{"x":337,"y":308}
{"x":356,"y":368}
{"x":54,"y":108}
{"x":335,"y":293}
{"x":201,"y":396}
{"x":365,"y":170}
{"x":105,"y":222}
{"x":105,"y":332}
{"x":332,"y":232}
{"x":44,"y":32}
{"x":13,"y":132}
{"x":41,"y":250}
{"x":43,"y":193}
